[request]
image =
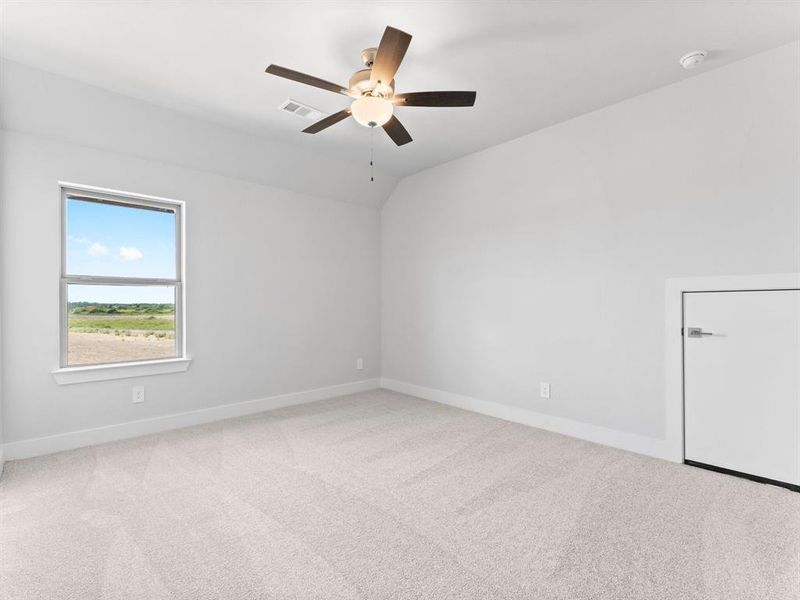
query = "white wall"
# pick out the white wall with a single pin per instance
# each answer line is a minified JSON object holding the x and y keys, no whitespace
{"x":283,"y":287}
{"x":540,"y":259}
{"x":545,"y":258}
{"x":2,"y":286}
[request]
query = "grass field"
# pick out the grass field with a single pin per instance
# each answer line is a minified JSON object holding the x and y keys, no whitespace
{"x":122,"y":319}
{"x":126,"y":322}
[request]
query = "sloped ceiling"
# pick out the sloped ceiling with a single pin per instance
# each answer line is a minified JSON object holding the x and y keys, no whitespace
{"x":533,"y":63}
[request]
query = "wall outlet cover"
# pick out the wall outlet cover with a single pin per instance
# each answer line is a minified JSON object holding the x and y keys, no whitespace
{"x":138,"y":394}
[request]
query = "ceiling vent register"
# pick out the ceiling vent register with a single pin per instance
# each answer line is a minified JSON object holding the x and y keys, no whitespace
{"x":301,"y":110}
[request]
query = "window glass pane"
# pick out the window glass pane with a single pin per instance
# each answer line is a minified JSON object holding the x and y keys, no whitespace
{"x":119,"y":323}
{"x":119,"y":240}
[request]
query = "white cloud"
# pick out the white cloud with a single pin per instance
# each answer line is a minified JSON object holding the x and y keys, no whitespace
{"x":97,"y":249}
{"x":130,"y":253}
{"x":83,"y":240}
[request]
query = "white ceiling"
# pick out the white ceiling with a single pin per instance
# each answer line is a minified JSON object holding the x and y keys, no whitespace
{"x":533,"y":64}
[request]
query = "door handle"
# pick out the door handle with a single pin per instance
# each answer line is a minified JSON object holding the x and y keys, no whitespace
{"x":697,"y":332}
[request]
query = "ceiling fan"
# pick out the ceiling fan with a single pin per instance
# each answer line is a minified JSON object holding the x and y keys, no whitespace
{"x":373,"y":89}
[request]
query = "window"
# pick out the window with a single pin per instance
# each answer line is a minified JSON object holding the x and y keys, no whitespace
{"x":121,"y":279}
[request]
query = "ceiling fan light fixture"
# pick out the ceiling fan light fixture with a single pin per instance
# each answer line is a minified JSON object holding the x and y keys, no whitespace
{"x":372,"y":111}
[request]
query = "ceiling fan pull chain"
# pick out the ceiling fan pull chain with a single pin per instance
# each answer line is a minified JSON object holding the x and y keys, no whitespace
{"x":371,"y":153}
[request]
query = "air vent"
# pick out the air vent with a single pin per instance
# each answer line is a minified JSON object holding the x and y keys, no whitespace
{"x":302,"y":110}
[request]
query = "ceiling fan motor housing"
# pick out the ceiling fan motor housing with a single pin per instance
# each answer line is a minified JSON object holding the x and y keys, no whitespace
{"x":360,"y":84}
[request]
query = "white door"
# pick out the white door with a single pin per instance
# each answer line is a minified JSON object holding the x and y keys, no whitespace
{"x":742,"y":382}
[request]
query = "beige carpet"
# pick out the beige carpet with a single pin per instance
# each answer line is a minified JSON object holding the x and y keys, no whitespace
{"x":379,"y":496}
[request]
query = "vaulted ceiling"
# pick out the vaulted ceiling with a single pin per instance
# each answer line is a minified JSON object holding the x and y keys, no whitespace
{"x":533,"y":64}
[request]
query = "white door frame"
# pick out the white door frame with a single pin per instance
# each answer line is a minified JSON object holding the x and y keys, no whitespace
{"x":673,"y":379}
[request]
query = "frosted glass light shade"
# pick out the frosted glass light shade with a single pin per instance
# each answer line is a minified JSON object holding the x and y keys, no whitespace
{"x":371,"y":111}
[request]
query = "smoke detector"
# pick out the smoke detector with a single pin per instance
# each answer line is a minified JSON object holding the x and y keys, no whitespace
{"x":301,"y":110}
{"x":691,"y":60}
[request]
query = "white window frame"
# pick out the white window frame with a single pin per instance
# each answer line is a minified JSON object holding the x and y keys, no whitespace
{"x":115,"y":370}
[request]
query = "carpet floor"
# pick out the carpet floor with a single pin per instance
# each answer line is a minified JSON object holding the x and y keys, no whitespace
{"x":384,"y":496}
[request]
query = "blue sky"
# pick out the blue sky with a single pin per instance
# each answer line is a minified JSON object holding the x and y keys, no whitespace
{"x":104,"y":239}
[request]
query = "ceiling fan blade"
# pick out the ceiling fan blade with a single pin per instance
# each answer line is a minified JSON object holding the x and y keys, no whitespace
{"x":435,"y":99}
{"x":391,"y":51}
{"x":307,"y":79}
{"x":396,"y":131}
{"x":327,"y":121}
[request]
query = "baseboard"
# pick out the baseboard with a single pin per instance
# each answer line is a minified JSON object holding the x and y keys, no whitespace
{"x":121,"y":431}
{"x":593,"y":433}
{"x":89,"y":437}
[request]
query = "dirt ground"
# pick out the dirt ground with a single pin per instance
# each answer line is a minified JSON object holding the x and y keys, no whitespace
{"x":94,"y":348}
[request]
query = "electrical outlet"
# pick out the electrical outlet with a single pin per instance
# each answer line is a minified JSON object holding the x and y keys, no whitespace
{"x":359,"y":364}
{"x":138,"y":394}
{"x":544,"y":389}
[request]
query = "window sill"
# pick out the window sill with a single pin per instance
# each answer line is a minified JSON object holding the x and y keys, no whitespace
{"x":70,"y":375}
